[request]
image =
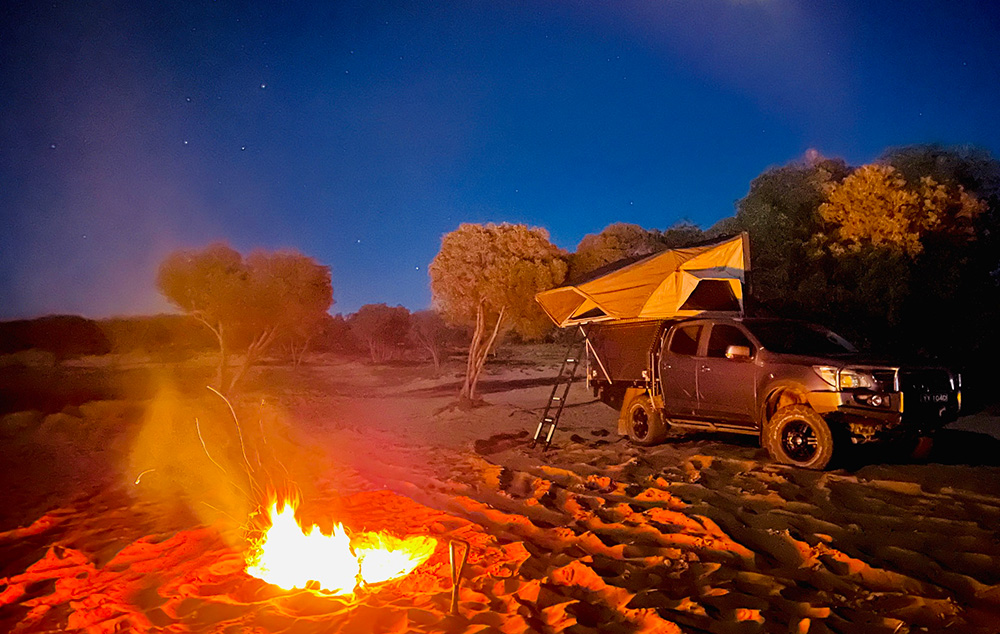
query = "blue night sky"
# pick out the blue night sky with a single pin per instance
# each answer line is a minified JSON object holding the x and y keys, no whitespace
{"x":360,"y":132}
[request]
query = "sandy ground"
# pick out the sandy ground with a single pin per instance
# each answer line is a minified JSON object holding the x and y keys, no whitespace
{"x":130,"y":515}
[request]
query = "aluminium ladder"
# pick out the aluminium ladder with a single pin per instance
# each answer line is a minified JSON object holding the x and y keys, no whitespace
{"x":557,"y":400}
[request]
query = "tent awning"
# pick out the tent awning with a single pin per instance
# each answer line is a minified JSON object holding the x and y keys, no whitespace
{"x":666,"y":285}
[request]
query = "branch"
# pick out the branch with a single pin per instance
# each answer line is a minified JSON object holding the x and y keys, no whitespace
{"x":197,"y":426}
{"x":239,"y":430}
{"x":260,"y":344}
{"x":216,"y":330}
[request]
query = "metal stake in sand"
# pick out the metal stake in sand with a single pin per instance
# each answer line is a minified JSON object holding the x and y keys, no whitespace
{"x":456,"y":571}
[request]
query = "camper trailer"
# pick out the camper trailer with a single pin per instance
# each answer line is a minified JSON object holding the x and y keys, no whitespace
{"x":669,"y":345}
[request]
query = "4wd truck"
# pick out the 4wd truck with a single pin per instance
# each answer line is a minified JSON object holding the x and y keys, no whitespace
{"x":668,"y":342}
{"x":798,"y":386}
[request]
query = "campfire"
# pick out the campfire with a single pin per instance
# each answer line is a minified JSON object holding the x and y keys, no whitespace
{"x":291,"y":556}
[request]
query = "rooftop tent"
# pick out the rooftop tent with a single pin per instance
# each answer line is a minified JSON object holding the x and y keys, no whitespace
{"x":666,"y":285}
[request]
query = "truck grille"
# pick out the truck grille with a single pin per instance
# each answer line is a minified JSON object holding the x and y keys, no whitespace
{"x":886,"y":379}
{"x":925,"y":381}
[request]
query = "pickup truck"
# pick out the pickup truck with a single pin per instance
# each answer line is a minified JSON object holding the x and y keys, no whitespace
{"x":802,"y":389}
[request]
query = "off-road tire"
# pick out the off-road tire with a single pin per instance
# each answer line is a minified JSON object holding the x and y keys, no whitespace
{"x":644,"y":423}
{"x":797,"y":435}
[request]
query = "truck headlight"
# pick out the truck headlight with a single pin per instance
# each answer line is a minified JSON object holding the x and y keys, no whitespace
{"x":852,"y":379}
{"x":844,"y":379}
{"x":827,"y":373}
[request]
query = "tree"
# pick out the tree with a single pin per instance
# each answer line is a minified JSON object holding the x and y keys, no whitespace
{"x":487,"y":276}
{"x":615,"y":242}
{"x":65,"y":336}
{"x":934,"y":240}
{"x":683,"y":234}
{"x":875,"y":205}
{"x":621,"y":241}
{"x":381,"y":328}
{"x":974,"y":169}
{"x":882,"y":252}
{"x":429,"y":331}
{"x":335,"y":335}
{"x":246,"y":303}
{"x":780,"y":212}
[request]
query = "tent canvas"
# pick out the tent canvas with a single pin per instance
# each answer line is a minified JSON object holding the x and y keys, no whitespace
{"x":666,"y":285}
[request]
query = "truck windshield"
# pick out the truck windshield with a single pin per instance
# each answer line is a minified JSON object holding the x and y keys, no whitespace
{"x":798,"y":337}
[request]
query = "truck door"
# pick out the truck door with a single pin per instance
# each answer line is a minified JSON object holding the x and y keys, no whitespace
{"x":727,"y":386}
{"x":677,"y":370}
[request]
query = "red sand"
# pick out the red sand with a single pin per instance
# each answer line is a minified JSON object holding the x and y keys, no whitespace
{"x":701,"y":534}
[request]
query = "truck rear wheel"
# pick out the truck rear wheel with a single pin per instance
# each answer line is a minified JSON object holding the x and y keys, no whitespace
{"x":797,"y":435}
{"x":644,"y":422}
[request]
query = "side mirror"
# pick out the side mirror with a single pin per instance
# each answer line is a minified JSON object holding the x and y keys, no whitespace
{"x":737,"y":352}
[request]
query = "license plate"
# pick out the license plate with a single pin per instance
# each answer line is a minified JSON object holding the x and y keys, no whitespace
{"x":933,"y":398}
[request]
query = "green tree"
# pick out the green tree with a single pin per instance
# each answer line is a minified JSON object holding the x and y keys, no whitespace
{"x":335,"y":335}
{"x":875,"y":205}
{"x":622,"y":242}
{"x":883,"y":253}
{"x":486,"y":276}
{"x":974,"y":169}
{"x":615,"y":242}
{"x":247,"y":303}
{"x":381,"y":328}
{"x":429,"y":331}
{"x":683,"y":234}
{"x":780,"y":212}
{"x":956,"y":279}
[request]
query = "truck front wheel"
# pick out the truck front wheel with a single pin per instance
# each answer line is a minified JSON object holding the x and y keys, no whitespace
{"x":645,"y":424}
{"x":797,"y":435}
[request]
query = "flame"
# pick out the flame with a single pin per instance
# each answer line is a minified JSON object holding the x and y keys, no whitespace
{"x":290,"y":556}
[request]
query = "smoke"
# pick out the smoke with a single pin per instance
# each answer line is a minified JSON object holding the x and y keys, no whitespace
{"x":98,"y":186}
{"x":111,"y":213}
{"x":222,"y":465}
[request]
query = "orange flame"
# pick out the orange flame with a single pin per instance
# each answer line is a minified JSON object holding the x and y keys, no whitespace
{"x":290,"y":556}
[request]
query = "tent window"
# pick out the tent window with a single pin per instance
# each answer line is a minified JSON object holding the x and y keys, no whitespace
{"x":712,"y":295}
{"x":593,"y":313}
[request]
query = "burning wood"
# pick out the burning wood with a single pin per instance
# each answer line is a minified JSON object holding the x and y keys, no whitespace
{"x":291,"y":556}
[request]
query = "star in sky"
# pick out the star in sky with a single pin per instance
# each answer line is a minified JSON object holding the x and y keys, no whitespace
{"x":398,"y":124}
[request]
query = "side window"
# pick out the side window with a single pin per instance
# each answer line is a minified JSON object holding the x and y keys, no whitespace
{"x":724,"y":336}
{"x":685,"y":340}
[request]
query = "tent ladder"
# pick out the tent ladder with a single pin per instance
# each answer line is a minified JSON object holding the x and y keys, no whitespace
{"x":557,"y":399}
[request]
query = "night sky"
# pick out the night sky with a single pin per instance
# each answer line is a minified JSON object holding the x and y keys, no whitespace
{"x":360,"y":132}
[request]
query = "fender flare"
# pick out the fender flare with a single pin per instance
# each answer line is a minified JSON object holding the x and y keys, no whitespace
{"x":772,"y":400}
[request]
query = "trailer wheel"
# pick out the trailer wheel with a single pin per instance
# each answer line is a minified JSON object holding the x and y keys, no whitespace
{"x":644,"y":422}
{"x":797,"y":435}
